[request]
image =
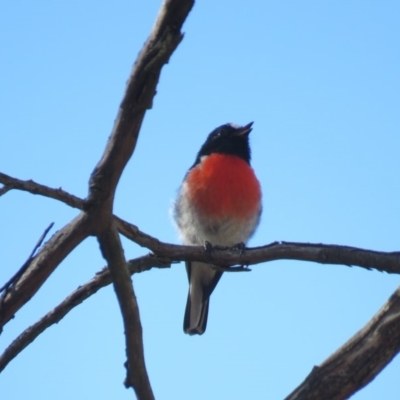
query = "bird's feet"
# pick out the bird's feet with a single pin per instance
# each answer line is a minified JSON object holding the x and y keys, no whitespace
{"x":240,"y":247}
{"x":208,"y":247}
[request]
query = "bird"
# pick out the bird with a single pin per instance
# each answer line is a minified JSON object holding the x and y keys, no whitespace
{"x":218,"y":204}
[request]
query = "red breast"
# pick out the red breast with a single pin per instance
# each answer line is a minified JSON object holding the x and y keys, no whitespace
{"x":223,"y":185}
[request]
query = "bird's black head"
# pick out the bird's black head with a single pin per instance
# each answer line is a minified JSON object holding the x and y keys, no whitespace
{"x":227,"y":139}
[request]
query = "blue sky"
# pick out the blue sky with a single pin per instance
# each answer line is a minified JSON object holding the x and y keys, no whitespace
{"x":321,"y":81}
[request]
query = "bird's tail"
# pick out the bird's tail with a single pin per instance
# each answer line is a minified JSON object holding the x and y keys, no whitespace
{"x":202,"y":281}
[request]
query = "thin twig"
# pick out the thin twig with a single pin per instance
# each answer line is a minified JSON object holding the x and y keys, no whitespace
{"x":37,"y":188}
{"x":43,"y":264}
{"x":14,"y":279}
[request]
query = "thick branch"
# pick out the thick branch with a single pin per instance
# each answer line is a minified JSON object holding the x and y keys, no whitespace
{"x":141,"y":88}
{"x":101,"y":279}
{"x":43,"y":264}
{"x":359,"y":360}
{"x":137,"y":377}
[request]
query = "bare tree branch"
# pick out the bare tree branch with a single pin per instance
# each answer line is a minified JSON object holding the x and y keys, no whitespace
{"x":97,"y":216}
{"x":41,"y":267}
{"x":4,"y":190}
{"x":36,"y":188}
{"x":99,"y":281}
{"x":349,"y":369}
{"x":320,"y":253}
{"x":141,"y":88}
{"x":112,"y":251}
{"x":359,"y":360}
{"x":96,"y":219}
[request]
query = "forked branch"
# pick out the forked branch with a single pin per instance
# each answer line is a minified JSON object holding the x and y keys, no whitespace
{"x":100,"y":280}
{"x":346,"y":371}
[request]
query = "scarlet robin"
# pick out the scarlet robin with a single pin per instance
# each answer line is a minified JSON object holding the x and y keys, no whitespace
{"x":219,"y":202}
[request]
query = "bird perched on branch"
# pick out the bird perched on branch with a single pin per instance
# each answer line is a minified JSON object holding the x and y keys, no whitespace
{"x":219,"y":203}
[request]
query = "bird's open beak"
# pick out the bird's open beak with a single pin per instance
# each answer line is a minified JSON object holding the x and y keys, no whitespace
{"x":243,"y":130}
